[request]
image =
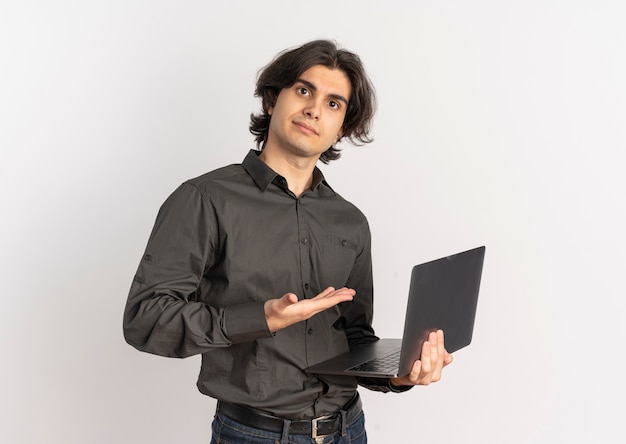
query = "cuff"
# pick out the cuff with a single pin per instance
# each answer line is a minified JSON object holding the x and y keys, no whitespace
{"x":398,"y":388}
{"x":245,"y":322}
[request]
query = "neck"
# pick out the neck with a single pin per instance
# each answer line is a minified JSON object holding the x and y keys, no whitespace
{"x":297,"y":171}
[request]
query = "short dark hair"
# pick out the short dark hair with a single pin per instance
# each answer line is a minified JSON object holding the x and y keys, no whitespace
{"x":286,"y":69}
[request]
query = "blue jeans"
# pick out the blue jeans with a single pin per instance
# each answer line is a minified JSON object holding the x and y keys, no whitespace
{"x":227,"y":431}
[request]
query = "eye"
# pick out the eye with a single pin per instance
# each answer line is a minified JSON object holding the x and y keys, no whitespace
{"x":302,"y":91}
{"x":333,"y":104}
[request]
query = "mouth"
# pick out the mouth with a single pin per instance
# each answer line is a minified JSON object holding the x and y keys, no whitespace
{"x":307,"y":129}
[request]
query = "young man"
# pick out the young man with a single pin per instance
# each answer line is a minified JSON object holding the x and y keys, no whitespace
{"x":264,"y":269}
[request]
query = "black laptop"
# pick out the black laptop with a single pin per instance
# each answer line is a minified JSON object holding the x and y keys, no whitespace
{"x":443,"y":294}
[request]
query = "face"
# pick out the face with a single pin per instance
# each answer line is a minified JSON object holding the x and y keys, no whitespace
{"x":307,"y":118}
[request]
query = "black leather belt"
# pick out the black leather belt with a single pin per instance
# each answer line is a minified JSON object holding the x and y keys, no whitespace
{"x":322,"y":426}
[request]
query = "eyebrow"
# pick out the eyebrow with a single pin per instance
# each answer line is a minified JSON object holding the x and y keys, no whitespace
{"x":312,"y":87}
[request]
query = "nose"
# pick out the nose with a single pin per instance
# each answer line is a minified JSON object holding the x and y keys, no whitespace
{"x":312,"y":109}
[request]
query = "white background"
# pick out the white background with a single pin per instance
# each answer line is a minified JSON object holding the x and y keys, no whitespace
{"x":500,"y":123}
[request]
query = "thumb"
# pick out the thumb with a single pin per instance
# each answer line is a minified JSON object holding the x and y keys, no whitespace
{"x":288,"y":299}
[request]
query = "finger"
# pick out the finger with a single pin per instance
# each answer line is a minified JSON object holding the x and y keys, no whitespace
{"x":289,"y":299}
{"x":335,"y":296}
{"x":440,"y":343}
{"x":331,"y":291}
{"x":417,"y":368}
{"x":429,"y":359}
{"x":325,"y":293}
{"x":442,"y":356}
{"x":346,"y":294}
{"x":414,"y":376}
{"x":438,"y":356}
{"x":425,"y":359}
{"x":276,"y":306}
{"x":333,"y":299}
{"x":434,"y":346}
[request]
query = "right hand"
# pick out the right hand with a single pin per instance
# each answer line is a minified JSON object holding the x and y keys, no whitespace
{"x":288,"y":310}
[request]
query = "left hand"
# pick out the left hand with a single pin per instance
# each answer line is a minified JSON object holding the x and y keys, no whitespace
{"x":433,"y":359}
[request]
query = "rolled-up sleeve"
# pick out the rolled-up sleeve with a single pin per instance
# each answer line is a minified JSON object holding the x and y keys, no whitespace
{"x":162,"y":315}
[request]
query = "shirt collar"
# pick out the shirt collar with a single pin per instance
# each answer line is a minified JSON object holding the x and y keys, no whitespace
{"x":258,"y":170}
{"x":263,"y":175}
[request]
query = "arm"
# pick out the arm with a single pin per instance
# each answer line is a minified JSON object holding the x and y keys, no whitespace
{"x":434,"y":357}
{"x":162,"y":314}
{"x":358,"y":315}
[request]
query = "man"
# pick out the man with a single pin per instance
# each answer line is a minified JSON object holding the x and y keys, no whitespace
{"x":263,"y":269}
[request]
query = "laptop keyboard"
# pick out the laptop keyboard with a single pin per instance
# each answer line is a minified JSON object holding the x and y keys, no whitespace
{"x":384,"y":364}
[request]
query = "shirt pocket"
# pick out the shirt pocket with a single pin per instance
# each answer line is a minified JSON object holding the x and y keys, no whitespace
{"x":335,"y":260}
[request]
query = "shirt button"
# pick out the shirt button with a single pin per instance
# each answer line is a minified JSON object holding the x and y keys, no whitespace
{"x":310,"y":331}
{"x":306,"y":286}
{"x":344,"y":242}
{"x":304,"y":240}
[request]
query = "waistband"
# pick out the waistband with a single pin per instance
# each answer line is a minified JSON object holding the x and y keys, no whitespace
{"x":316,"y":427}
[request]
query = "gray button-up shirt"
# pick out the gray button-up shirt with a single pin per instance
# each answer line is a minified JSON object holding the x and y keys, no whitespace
{"x":222,"y":245}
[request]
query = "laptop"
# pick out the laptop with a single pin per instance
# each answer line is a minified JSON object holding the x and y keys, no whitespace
{"x":443,"y":294}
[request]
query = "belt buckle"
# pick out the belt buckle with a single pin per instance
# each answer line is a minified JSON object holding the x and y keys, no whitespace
{"x":314,"y":422}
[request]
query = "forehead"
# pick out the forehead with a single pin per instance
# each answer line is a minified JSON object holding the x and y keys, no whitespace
{"x":328,"y":80}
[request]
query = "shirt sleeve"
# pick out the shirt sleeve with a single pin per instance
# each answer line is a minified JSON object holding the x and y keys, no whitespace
{"x":382,"y":385}
{"x":162,"y":315}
